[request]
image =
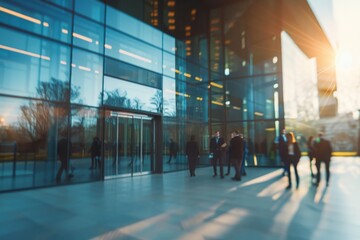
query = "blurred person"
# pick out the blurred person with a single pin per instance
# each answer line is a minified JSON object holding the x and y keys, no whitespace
{"x":293,"y":158}
{"x":192,"y":153}
{"x":323,"y":152}
{"x":236,"y":154}
{"x":172,"y":150}
{"x":63,"y":151}
{"x":217,"y":151}
{"x":95,"y":153}
{"x":311,"y":152}
{"x":228,"y":158}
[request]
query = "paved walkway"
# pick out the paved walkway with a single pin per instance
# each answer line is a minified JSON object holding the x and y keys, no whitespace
{"x":175,"y":206}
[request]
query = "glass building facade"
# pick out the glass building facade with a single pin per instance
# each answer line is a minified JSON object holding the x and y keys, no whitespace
{"x":136,"y":74}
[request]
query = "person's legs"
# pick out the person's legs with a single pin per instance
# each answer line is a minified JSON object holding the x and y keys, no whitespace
{"x":193,"y":165}
{"x":296,"y":175}
{"x":318,"y":166}
{"x":310,"y":161}
{"x":215,"y":159}
{"x":327,"y":166}
{"x":92,"y":162}
{"x":60,"y":171}
{"x":221,"y":166}
{"x":288,"y":171}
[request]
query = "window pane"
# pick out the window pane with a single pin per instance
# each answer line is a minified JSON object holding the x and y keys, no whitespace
{"x":130,"y":50}
{"x":26,"y":63}
{"x":85,"y":125}
{"x":127,"y":24}
{"x":125,"y":94}
{"x":32,"y":131}
{"x":93,"y":9}
{"x":39,"y":18}
{"x":88,"y":35}
{"x":86,"y":81}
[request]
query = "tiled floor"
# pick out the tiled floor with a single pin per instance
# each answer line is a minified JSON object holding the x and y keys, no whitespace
{"x":175,"y":206}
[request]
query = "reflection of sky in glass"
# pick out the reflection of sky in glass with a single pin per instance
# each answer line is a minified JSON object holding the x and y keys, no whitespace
{"x":133,"y":91}
{"x":10,"y":110}
{"x":169,"y":96}
{"x":299,"y":80}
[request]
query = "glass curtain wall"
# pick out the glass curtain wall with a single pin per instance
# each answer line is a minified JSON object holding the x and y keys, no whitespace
{"x":245,"y":75}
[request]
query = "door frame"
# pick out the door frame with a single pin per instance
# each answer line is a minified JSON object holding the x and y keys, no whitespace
{"x":156,"y":162}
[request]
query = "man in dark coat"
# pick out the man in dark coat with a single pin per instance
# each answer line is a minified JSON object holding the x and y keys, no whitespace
{"x":95,"y":151}
{"x":192,"y":153}
{"x":236,"y":154}
{"x":63,"y":150}
{"x":172,"y":150}
{"x":217,"y":150}
{"x":323,"y":151}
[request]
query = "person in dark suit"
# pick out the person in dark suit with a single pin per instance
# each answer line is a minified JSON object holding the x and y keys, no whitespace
{"x":172,"y":150}
{"x":283,"y":149}
{"x":217,"y":150}
{"x":95,"y":151}
{"x":63,"y":150}
{"x":311,"y":151}
{"x":323,"y":151}
{"x":293,"y":157}
{"x":228,"y":158}
{"x":192,"y":153}
{"x":236,"y":150}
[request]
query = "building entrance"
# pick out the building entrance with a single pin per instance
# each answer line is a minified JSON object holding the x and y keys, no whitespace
{"x":129,"y":144}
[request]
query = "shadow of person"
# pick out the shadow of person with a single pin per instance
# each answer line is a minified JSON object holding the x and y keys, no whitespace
{"x":305,"y":221}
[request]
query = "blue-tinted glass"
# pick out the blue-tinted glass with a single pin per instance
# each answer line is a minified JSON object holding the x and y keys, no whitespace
{"x":86,"y":78}
{"x":197,"y":103}
{"x":32,"y":130}
{"x":93,"y":9}
{"x":130,"y":50}
{"x":169,"y":95}
{"x":264,"y":97}
{"x":28,"y":62}
{"x":63,"y":3}
{"x":88,"y":35}
{"x":133,"y":27}
{"x":123,"y":94}
{"x":169,"y":43}
{"x":169,"y":66}
{"x":40,"y":18}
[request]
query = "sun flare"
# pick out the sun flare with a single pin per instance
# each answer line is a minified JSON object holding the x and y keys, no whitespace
{"x":344,"y":60}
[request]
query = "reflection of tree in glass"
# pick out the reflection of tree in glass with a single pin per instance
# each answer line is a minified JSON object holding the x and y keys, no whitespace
{"x":157,"y":101}
{"x":137,"y":104}
{"x":114,"y":98}
{"x":38,"y":116}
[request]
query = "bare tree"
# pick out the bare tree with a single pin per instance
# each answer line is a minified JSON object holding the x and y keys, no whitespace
{"x":157,"y":101}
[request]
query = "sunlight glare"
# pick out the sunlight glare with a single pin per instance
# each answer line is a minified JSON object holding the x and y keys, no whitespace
{"x":344,"y":60}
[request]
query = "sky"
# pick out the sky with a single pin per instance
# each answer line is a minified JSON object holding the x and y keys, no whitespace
{"x":340,"y":20}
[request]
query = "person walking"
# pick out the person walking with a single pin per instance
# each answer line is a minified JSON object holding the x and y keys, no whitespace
{"x":311,"y":152}
{"x":236,"y":154}
{"x":293,"y":158}
{"x":217,"y":150}
{"x":63,"y":151}
{"x":172,"y":150}
{"x":228,"y":158}
{"x":192,"y":153}
{"x":95,"y":152}
{"x":323,"y":152}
